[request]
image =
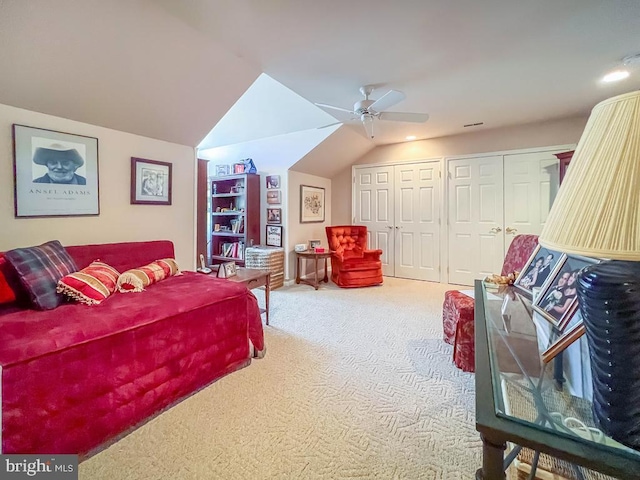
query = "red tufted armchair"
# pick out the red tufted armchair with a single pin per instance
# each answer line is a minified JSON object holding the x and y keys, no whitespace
{"x":352,"y":265}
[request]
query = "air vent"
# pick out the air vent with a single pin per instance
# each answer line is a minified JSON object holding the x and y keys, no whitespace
{"x":473,"y":124}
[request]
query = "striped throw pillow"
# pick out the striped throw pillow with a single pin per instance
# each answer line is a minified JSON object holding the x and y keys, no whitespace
{"x":39,"y":269}
{"x":91,"y":285}
{"x":135,"y":280}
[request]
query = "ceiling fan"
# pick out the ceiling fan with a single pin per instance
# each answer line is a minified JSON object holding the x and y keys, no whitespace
{"x":366,"y":110}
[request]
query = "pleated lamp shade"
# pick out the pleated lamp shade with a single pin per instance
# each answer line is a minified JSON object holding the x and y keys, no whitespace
{"x":597,"y":210}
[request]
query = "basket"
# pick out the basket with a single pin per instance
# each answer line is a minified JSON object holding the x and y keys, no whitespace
{"x":267,"y":258}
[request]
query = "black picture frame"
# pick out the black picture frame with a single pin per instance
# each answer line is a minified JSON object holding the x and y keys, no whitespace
{"x":274,"y":216}
{"x":538,"y":268}
{"x":558,"y":300}
{"x":274,"y":235}
{"x":55,"y":173}
{"x":150,"y":182}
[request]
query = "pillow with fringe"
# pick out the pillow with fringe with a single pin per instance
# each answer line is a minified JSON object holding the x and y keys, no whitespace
{"x":91,"y":285}
{"x":136,"y":279}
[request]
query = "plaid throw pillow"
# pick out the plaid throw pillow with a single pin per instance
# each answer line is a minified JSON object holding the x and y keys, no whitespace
{"x":136,"y":279}
{"x":39,"y":269}
{"x":91,"y":285}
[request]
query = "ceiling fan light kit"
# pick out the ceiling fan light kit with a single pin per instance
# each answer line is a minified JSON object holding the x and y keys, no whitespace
{"x":366,"y":110}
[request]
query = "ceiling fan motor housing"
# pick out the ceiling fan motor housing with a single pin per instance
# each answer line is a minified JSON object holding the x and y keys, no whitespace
{"x":362,"y":106}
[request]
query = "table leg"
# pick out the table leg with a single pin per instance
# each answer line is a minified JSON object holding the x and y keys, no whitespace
{"x":267,"y":289}
{"x":492,"y":460}
{"x":316,"y":273}
{"x":326,"y":277}
{"x":297,"y":269}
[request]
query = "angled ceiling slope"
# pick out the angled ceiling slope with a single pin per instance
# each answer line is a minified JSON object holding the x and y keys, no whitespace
{"x":266,"y":109}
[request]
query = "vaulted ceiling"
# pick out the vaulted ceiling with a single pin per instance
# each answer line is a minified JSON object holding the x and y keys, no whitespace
{"x":171,"y":69}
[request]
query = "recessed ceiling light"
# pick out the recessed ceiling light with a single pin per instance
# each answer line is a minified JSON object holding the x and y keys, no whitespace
{"x":411,"y":137}
{"x":615,"y":76}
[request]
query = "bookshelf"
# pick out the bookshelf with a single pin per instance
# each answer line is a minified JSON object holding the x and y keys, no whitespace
{"x":235,"y":216}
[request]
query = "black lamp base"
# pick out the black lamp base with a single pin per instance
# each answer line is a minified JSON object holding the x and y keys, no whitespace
{"x":609,"y":297}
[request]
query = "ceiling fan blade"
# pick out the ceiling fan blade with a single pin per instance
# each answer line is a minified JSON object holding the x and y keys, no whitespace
{"x":389,"y":99}
{"x":404,"y":117}
{"x":330,"y":125}
{"x":324,"y":105}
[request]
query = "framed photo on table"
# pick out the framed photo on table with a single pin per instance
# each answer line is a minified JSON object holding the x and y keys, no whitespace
{"x":56,"y":173}
{"x":312,"y":204}
{"x":274,"y":235}
{"x":150,"y":182}
{"x":575,"y":329}
{"x":539,"y":266}
{"x":558,"y":299}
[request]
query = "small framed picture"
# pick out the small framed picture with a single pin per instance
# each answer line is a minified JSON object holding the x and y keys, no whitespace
{"x":274,"y":235}
{"x":273,"y":181}
{"x":311,"y":204}
{"x":274,"y":197}
{"x":537,"y":269}
{"x":222,"y":170}
{"x":314,"y":243}
{"x":238,"y":168}
{"x":56,"y":173}
{"x":227,"y":269}
{"x":150,"y":182}
{"x":558,"y":299}
{"x":575,"y":329}
{"x":274,"y":215}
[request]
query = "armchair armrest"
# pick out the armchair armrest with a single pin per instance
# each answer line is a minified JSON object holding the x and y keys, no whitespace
{"x":336,"y":255}
{"x":373,"y":254}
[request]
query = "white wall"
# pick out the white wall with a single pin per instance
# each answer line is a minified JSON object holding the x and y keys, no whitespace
{"x":118,"y":221}
{"x":557,"y":132}
{"x":296,"y":232}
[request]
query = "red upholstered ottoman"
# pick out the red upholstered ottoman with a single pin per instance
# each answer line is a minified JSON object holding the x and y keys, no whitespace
{"x":457,"y":322}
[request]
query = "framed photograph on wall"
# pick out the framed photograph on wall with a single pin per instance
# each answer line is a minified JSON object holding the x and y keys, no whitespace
{"x":311,"y":204}
{"x":274,"y":197}
{"x":274,"y":235}
{"x":150,"y":182}
{"x":558,"y":299}
{"x":274,"y":215}
{"x":540,"y":265}
{"x":55,"y":173}
{"x":273,"y":181}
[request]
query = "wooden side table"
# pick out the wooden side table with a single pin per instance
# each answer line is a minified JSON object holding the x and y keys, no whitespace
{"x":315,"y":257}
{"x":254,"y":278}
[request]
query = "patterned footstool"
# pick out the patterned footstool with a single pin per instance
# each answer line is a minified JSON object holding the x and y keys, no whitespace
{"x":459,"y":329}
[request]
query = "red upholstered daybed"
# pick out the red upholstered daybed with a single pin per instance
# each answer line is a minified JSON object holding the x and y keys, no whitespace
{"x":77,"y":376}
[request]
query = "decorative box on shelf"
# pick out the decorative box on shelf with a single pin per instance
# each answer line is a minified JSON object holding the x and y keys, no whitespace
{"x":267,"y":258}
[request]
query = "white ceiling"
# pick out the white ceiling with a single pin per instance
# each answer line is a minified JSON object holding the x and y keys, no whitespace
{"x":501,"y":62}
{"x":171,"y":70}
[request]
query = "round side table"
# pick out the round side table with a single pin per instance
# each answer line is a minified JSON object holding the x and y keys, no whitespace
{"x":315,"y":283}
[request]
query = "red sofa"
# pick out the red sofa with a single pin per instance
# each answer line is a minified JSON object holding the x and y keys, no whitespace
{"x":77,"y":376}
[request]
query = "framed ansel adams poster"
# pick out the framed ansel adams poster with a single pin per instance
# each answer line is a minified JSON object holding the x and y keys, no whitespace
{"x":55,"y":173}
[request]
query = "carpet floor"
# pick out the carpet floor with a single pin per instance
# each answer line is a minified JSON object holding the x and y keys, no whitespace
{"x":356,"y":384}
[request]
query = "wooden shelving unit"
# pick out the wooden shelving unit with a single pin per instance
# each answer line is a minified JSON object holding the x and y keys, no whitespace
{"x":235,"y":217}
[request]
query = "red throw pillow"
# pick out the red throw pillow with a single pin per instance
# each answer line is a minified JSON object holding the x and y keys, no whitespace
{"x":135,"y":280}
{"x":7,"y":295}
{"x":91,"y":285}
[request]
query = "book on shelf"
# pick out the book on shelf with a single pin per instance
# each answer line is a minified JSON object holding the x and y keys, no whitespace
{"x":232,"y":250}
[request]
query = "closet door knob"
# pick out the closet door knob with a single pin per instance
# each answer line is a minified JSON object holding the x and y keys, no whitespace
{"x":511,"y":231}
{"x":495,"y":230}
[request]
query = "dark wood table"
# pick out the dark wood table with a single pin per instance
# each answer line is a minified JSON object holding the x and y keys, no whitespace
{"x":309,"y":255}
{"x":254,"y":278}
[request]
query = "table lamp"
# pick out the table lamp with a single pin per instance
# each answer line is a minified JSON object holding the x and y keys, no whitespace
{"x":597,"y":214}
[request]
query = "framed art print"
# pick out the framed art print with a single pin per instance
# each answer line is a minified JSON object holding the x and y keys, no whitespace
{"x":273,"y":181}
{"x":274,"y":215}
{"x":274,"y":235}
{"x":540,"y":265}
{"x":558,"y":299}
{"x":150,"y":182}
{"x":55,"y":173}
{"x":274,"y":197}
{"x":311,"y":204}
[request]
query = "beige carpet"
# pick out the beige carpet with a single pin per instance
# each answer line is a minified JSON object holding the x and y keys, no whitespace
{"x":356,"y":384}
